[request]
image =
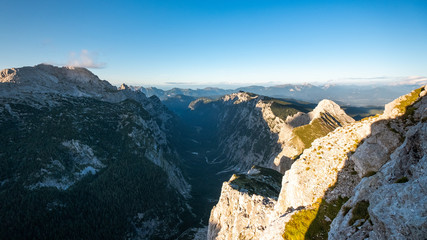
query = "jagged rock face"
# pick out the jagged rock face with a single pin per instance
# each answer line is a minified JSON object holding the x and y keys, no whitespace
{"x":226,"y":224}
{"x":396,"y":195}
{"x":376,"y":150}
{"x":102,"y":163}
{"x":244,"y":135}
{"x":389,"y":204}
{"x":305,"y":128}
{"x":246,"y":201}
{"x":257,"y":130}
{"x":329,"y":107}
{"x":316,"y":169}
{"x":324,"y":171}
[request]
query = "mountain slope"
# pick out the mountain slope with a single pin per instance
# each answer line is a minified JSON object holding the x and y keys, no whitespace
{"x":367,"y":177}
{"x":263,"y":131}
{"x":81,"y":159}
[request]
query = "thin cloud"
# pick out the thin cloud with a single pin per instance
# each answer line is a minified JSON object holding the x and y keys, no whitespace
{"x":368,"y":78}
{"x":180,"y":83}
{"x":84,"y":59}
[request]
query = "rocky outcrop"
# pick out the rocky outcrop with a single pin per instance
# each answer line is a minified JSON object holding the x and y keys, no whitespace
{"x":395,"y":196}
{"x":377,"y":163}
{"x":246,"y":201}
{"x":331,"y":108}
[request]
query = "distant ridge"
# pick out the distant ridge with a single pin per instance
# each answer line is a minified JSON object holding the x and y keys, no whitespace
{"x":344,"y":95}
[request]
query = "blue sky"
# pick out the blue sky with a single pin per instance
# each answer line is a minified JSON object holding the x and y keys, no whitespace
{"x":217,"y":43}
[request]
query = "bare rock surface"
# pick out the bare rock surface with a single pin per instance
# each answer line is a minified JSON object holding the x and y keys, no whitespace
{"x":246,"y":201}
{"x":379,"y":163}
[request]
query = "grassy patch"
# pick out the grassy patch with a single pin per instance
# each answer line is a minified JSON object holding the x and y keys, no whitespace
{"x":284,"y":108}
{"x":297,"y":227}
{"x":370,"y":117}
{"x":313,"y":223}
{"x":318,"y":128}
{"x":360,"y":211}
{"x":410,"y":99}
{"x":402,"y":180}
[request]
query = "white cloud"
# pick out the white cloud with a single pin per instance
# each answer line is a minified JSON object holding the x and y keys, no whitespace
{"x":413,"y":80}
{"x":84,"y":59}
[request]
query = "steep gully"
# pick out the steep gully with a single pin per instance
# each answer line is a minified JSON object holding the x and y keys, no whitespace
{"x":196,"y":145}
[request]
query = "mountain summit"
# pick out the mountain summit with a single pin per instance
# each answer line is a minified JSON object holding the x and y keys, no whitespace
{"x":45,"y":78}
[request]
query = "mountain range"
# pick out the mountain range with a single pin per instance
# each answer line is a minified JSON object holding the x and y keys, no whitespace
{"x":360,"y":95}
{"x":82,"y":159}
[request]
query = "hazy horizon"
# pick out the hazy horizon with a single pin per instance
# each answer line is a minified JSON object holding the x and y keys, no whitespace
{"x":412,"y":80}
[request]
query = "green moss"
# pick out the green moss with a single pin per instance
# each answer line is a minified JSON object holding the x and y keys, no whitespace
{"x":360,"y":211}
{"x":402,"y":180}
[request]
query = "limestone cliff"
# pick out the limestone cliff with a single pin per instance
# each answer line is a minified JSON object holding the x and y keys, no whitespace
{"x":268,"y":132}
{"x":378,"y":163}
{"x":246,"y":200}
{"x":390,"y":202}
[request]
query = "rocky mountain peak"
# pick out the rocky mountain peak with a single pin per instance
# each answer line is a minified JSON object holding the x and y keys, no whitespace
{"x":330,"y":107}
{"x":124,"y":87}
{"x":67,"y":73}
{"x":239,"y":97}
{"x":6,"y":75}
{"x":44,"y":78}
